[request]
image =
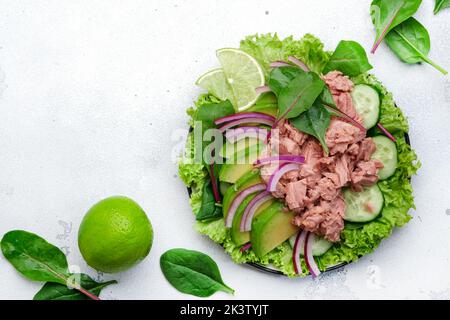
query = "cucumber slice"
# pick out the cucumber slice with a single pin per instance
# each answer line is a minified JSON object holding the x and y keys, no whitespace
{"x":319,"y":245}
{"x":363,"y":206}
{"x":367,"y":104}
{"x":386,"y":153}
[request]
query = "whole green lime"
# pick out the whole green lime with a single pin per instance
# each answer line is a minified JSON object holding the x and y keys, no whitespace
{"x":115,"y":234}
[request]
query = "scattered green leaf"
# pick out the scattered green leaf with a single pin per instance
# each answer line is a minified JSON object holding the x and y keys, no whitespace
{"x":387,"y":14}
{"x":440,"y":5}
{"x":410,"y":41}
{"x":192,"y":272}
{"x":56,"y":291}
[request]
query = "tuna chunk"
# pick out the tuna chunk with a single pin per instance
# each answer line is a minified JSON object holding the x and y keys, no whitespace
{"x":366,"y":149}
{"x":365,"y":174}
{"x":295,"y":195}
{"x":340,"y":87}
{"x":340,"y":135}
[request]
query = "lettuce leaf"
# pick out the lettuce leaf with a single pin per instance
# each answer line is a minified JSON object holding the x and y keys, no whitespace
{"x":357,"y":239}
{"x":268,"y":48}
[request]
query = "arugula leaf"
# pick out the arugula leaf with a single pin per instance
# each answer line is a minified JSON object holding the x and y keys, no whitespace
{"x":56,"y":291}
{"x":297,"y":95}
{"x":192,"y":272}
{"x":410,"y":41}
{"x":441,"y":4}
{"x":208,"y":210}
{"x":350,"y":58}
{"x":314,"y":121}
{"x":387,"y":14}
{"x":34,"y":257}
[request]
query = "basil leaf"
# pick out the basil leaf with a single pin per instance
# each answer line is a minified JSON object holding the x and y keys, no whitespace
{"x":56,"y":291}
{"x":34,"y":257}
{"x":441,"y":4}
{"x":410,"y":42}
{"x":192,"y":272}
{"x":281,"y":77}
{"x":314,"y":122}
{"x":387,"y":14}
{"x":299,"y":95}
{"x":350,"y":58}
{"x":208,"y":210}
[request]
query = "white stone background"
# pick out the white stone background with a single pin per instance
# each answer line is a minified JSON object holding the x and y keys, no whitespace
{"x":93,"y":91}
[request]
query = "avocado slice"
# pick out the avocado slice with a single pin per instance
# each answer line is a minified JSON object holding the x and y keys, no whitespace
{"x":238,"y":237}
{"x":266,"y":103}
{"x":233,"y":149}
{"x":249,"y":179}
{"x":271,"y":228}
{"x":238,"y":167}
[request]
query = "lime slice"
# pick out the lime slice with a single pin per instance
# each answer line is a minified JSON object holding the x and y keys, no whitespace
{"x":215,"y":83}
{"x":243,"y":73}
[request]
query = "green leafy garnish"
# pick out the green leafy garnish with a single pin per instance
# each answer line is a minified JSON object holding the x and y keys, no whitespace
{"x":315,"y":122}
{"x":387,"y":14}
{"x":350,"y":58}
{"x":192,"y":272}
{"x":441,"y":4}
{"x":410,"y":41}
{"x":56,"y":291}
{"x":209,"y":209}
{"x":39,"y":260}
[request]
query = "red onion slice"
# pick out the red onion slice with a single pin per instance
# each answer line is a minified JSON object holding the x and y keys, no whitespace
{"x":250,"y":210}
{"x":277,"y":64}
{"x":244,"y":115}
{"x":277,"y":174}
{"x":245,"y":247}
{"x":235,"y":123}
{"x":298,"y":63}
{"x":263,"y":89}
{"x":280,"y":158}
{"x":309,"y":258}
{"x":234,"y":135}
{"x":299,"y":243}
{"x":386,"y":132}
{"x":238,"y":200}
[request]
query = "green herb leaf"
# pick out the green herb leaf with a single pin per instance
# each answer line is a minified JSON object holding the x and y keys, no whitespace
{"x":410,"y":41}
{"x":315,"y":122}
{"x":297,"y":95}
{"x":192,"y":272}
{"x":441,"y":4}
{"x":350,"y":58}
{"x":209,"y":112}
{"x":34,"y":257}
{"x":387,"y":14}
{"x":208,"y":210}
{"x":281,"y":77}
{"x":56,"y":291}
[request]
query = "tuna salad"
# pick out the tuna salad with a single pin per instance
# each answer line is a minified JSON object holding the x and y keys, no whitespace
{"x":297,"y":158}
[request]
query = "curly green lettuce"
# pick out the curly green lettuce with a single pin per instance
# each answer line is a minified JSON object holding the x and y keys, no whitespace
{"x":357,"y":239}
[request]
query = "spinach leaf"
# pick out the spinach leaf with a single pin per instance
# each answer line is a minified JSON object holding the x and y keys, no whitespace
{"x":387,"y":14}
{"x":299,"y":94}
{"x":208,"y":210}
{"x":207,"y":113}
{"x":34,"y":257}
{"x":56,"y":291}
{"x":326,"y":98}
{"x":192,"y":272}
{"x":281,"y":77}
{"x":314,"y":121}
{"x":441,"y":4}
{"x":410,"y":41}
{"x":350,"y":58}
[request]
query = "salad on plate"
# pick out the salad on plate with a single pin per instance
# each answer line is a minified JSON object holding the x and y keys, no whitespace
{"x":297,"y":158}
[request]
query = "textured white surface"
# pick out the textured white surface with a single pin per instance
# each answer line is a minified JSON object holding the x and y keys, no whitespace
{"x":93,"y":91}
